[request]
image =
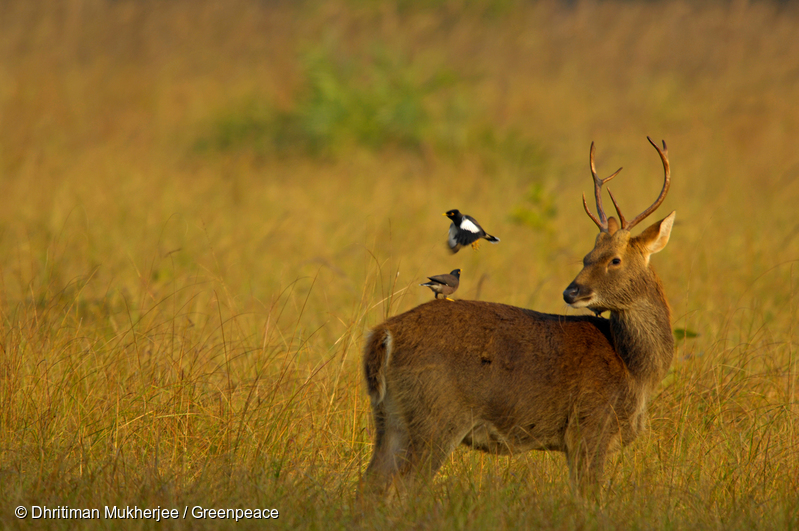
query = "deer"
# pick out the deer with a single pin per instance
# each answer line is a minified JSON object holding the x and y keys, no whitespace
{"x":505,"y":380}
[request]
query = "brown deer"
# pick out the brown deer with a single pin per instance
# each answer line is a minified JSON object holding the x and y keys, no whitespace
{"x":505,"y":380}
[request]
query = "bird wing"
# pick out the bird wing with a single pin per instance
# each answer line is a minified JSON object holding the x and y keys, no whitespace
{"x":470,"y":224}
{"x":452,"y":239}
{"x":447,"y":280}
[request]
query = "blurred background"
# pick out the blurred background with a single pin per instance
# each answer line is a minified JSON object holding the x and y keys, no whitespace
{"x":261,"y":142}
{"x":191,"y":189}
{"x":256,"y":143}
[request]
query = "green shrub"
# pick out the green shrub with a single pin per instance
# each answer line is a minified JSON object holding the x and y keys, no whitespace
{"x":371,"y":102}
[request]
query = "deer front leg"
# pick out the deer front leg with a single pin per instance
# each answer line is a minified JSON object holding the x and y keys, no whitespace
{"x":586,"y":450}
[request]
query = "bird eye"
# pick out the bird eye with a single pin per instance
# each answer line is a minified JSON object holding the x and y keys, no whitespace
{"x":616,"y":261}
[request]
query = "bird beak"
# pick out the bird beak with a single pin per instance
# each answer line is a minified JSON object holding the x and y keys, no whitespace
{"x":444,"y":214}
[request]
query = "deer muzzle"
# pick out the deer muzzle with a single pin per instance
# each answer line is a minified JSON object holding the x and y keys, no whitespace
{"x":577,"y":296}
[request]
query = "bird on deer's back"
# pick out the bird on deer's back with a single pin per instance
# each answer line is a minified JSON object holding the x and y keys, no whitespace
{"x":444,"y":284}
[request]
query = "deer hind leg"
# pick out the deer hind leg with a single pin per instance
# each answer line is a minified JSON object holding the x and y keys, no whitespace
{"x":430,"y":445}
{"x":405,"y":460}
{"x":390,"y":457}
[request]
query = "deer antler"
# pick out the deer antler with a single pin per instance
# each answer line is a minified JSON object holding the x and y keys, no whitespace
{"x":602,"y":222}
{"x":664,"y":156}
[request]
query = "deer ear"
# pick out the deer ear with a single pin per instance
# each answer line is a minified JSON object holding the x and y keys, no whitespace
{"x":655,"y":238}
{"x":613,"y":225}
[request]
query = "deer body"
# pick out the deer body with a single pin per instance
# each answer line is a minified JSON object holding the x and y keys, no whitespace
{"x":504,"y":380}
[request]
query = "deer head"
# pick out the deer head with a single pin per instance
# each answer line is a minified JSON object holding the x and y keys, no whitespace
{"x":616,"y":273}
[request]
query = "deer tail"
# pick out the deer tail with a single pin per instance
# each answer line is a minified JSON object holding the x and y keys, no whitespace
{"x":376,"y":354}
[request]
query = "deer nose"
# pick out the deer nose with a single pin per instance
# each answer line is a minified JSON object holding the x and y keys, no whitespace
{"x":572,"y":293}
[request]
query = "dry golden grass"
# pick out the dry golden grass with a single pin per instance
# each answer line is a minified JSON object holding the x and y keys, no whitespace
{"x":181,"y":325}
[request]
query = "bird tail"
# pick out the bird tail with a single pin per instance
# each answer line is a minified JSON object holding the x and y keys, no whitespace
{"x":492,"y":239}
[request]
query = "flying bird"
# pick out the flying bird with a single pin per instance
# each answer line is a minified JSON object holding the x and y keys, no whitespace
{"x":444,"y":284}
{"x":465,"y":231}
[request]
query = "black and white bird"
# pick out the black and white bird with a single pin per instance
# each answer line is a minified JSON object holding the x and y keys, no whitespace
{"x":444,"y":284}
{"x":465,"y":231}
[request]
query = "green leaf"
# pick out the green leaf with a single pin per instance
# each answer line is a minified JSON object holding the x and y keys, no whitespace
{"x":684,"y":333}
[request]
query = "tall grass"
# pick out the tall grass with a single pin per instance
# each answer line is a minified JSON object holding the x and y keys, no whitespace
{"x":204,"y":206}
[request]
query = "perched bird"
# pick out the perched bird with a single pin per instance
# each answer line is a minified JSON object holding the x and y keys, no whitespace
{"x":465,"y":231}
{"x":444,"y":284}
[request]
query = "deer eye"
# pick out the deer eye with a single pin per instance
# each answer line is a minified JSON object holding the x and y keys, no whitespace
{"x":616,"y":261}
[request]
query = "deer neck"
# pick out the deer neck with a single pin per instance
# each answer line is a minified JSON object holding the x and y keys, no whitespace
{"x":643,"y":336}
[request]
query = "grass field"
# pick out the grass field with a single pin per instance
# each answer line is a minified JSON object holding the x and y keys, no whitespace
{"x":204,"y":205}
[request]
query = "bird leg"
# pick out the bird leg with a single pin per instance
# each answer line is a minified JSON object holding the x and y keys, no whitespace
{"x":453,"y":300}
{"x":476,"y":245}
